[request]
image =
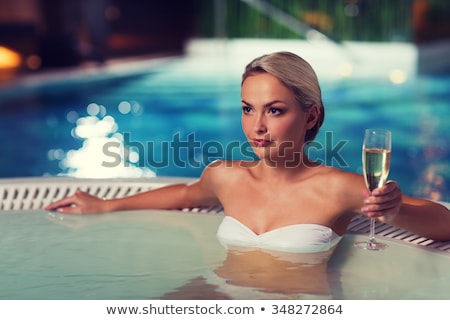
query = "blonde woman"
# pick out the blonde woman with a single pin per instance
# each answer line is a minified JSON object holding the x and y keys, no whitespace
{"x":283,"y":201}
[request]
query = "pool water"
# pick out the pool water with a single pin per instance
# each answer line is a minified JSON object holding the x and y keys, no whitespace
{"x":172,"y":120}
{"x":174,"y":255}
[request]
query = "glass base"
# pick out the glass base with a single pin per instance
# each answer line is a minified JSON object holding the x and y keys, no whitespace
{"x":371,"y":245}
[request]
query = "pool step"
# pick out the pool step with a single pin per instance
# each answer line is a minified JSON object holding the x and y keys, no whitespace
{"x":36,"y":193}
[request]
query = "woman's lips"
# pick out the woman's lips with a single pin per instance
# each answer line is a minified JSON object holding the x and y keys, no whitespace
{"x":261,"y":142}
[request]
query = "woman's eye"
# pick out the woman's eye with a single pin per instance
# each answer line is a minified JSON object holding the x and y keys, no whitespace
{"x":246,"y":109}
{"x":274,"y":111}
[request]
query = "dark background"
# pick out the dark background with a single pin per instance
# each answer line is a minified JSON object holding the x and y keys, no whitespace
{"x":58,"y":33}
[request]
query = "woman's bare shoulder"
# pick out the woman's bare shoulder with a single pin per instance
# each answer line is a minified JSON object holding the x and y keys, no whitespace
{"x":339,"y":175}
{"x":222,"y":175}
{"x":340,"y":184}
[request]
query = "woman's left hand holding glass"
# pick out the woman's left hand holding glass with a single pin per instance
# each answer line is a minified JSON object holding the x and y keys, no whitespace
{"x":384,"y":203}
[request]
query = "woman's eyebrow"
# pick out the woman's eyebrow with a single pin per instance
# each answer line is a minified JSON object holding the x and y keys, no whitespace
{"x":274,"y":102}
{"x":266,"y":104}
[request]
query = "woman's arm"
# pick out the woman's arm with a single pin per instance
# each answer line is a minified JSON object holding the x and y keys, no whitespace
{"x":197,"y":194}
{"x":387,"y":204}
{"x":423,"y":217}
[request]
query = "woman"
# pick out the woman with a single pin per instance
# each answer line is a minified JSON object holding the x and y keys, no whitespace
{"x":283,"y":201}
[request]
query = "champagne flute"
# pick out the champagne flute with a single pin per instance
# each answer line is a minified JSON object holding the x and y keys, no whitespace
{"x":376,"y":158}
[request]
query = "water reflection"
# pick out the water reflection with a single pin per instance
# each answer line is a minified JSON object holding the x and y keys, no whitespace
{"x":430,"y":163}
{"x":431,"y":182}
{"x":95,"y":130}
{"x":248,"y":273}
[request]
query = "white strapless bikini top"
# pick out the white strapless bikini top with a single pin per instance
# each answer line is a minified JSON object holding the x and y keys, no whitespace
{"x":296,"y":238}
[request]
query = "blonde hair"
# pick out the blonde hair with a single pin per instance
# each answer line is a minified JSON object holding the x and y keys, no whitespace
{"x":298,"y":76}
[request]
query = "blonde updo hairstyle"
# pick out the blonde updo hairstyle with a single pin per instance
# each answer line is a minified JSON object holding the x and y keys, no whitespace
{"x":298,"y":76}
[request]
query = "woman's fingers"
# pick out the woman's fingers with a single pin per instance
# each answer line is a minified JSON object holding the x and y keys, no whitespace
{"x":386,"y":189}
{"x":61,"y":203}
{"x":383,"y":202}
{"x":79,"y":202}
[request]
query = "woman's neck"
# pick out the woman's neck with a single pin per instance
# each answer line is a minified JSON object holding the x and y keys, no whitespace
{"x":282,"y":169}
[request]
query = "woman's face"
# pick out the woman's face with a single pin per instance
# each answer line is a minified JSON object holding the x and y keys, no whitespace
{"x":272,"y":119}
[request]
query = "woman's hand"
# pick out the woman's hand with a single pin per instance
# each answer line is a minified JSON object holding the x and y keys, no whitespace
{"x":80,"y":203}
{"x":384,"y":203}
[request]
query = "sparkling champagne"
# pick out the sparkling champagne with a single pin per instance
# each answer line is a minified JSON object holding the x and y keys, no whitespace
{"x":376,"y":163}
{"x":376,"y":158}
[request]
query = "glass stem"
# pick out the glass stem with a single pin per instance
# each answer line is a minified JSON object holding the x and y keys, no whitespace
{"x":372,"y":230}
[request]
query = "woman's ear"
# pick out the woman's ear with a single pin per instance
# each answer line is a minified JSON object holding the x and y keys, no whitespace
{"x":313,"y":116}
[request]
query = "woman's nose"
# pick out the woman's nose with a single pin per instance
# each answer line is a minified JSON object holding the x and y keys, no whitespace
{"x":260,"y":124}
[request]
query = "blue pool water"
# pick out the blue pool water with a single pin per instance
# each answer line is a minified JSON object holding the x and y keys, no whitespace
{"x":173,"y":120}
{"x":144,"y":255}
